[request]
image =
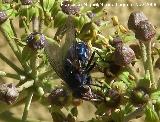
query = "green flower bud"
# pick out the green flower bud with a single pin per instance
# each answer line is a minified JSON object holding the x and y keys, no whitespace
{"x":139,"y":96}
{"x":113,"y":99}
{"x":59,"y":19}
{"x":120,"y":87}
{"x":115,"y":20}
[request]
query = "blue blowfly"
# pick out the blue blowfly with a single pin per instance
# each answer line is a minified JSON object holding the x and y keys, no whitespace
{"x":72,"y":61}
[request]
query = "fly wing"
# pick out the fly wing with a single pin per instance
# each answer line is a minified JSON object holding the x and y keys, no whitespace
{"x":69,"y":37}
{"x":53,"y":50}
{"x":56,"y":52}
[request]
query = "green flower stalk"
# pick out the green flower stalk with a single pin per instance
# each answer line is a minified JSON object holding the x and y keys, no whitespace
{"x":144,"y":32}
{"x":27,"y":106}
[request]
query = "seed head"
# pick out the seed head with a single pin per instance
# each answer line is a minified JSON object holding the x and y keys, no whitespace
{"x":8,"y":93}
{"x":3,"y":16}
{"x":69,"y":9}
{"x":7,"y":1}
{"x":140,"y":25}
{"x":135,"y":18}
{"x":26,"y":2}
{"x":117,"y":42}
{"x":36,"y":40}
{"x":145,"y":31}
{"x":124,"y":55}
{"x":59,"y":97}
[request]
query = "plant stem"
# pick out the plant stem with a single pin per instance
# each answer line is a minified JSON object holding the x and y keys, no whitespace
{"x":33,"y":65}
{"x":11,"y":43}
{"x":24,"y":64}
{"x":149,"y":63}
{"x":143,"y":54}
{"x":137,"y":113}
{"x":15,"y":34}
{"x":41,"y":23}
{"x":26,"y":27}
{"x":25,"y":85}
{"x":13,"y":29}
{"x":35,"y":24}
{"x":46,"y":74}
{"x":57,"y":114}
{"x":131,"y":70}
{"x":27,"y":106}
{"x":14,"y":76}
{"x":12,"y":65}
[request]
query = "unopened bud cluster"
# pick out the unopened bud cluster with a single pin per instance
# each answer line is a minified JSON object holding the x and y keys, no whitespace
{"x":26,"y":2}
{"x":8,"y":93}
{"x":69,"y":9}
{"x":140,"y":25}
{"x":59,"y":97}
{"x":36,"y":40}
{"x":3,"y":16}
{"x":123,"y":54}
{"x":139,"y":96}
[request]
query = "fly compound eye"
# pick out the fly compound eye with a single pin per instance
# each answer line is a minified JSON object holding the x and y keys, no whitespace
{"x":84,"y":82}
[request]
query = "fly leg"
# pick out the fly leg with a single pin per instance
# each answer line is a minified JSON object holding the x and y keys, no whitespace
{"x":91,"y":96}
{"x":90,"y":66}
{"x":100,"y":56}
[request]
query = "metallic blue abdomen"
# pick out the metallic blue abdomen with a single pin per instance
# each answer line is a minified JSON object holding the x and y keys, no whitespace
{"x":75,"y":63}
{"x":82,"y":51}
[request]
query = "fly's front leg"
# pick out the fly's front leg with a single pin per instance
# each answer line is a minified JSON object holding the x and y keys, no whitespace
{"x":90,"y":66}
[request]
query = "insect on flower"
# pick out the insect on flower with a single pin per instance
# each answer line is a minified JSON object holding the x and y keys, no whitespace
{"x":72,"y":61}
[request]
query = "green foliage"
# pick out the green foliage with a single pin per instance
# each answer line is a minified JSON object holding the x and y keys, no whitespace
{"x":151,"y":115}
